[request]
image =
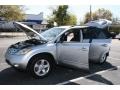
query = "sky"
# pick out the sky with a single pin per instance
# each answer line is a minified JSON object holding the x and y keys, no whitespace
{"x":78,"y":10}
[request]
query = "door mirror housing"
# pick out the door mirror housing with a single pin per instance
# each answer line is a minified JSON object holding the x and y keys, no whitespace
{"x":61,"y":39}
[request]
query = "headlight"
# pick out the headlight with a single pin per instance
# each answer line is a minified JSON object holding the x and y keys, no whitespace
{"x":23,"y":51}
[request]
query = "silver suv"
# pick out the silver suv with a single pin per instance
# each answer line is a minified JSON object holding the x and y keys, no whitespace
{"x":65,"y":45}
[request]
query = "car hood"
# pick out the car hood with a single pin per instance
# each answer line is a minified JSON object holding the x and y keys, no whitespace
{"x":29,"y":31}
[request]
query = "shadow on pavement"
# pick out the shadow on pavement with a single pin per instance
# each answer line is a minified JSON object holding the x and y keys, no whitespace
{"x":99,"y":78}
{"x":11,"y":77}
{"x":99,"y":67}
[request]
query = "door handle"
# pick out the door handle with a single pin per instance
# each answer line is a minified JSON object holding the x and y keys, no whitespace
{"x":105,"y":45}
{"x":84,"y":49}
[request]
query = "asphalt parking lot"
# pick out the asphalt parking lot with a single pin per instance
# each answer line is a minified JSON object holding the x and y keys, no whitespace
{"x":107,"y":73}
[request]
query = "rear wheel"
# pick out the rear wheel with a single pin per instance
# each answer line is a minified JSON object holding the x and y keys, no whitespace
{"x":103,"y":59}
{"x":40,"y":66}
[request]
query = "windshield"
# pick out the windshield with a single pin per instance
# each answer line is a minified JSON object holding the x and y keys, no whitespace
{"x":52,"y":33}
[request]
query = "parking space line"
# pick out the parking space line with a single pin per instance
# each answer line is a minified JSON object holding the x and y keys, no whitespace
{"x":114,"y":52}
{"x":3,"y":63}
{"x":114,"y":58}
{"x":79,"y":78}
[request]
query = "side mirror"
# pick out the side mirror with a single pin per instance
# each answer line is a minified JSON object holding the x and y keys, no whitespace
{"x":59,"y":40}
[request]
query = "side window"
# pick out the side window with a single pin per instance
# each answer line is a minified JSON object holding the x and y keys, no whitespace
{"x":101,"y":35}
{"x":89,"y":34}
{"x":107,"y":33}
{"x":95,"y":32}
{"x":72,"y":35}
{"x":86,"y":35}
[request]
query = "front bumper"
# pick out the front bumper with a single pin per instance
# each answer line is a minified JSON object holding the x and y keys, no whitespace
{"x":17,"y":61}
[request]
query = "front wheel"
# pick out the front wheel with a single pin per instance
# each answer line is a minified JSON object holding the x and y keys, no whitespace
{"x":40,"y":67}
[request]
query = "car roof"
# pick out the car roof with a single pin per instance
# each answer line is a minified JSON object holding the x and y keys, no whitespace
{"x":101,"y":23}
{"x":64,"y":27}
{"x":71,"y":27}
{"x":75,"y":27}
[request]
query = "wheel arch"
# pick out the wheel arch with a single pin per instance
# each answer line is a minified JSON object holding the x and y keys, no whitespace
{"x":105,"y":52}
{"x":42,"y":54}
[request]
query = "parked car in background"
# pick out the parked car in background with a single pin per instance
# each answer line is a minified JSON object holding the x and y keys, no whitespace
{"x":73,"y":46}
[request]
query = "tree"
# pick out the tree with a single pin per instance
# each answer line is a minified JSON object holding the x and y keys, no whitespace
{"x":98,"y":14}
{"x":115,"y":20}
{"x":61,"y":16}
{"x":103,"y":14}
{"x":87,"y":17}
{"x":12,"y":12}
{"x":50,"y":22}
{"x":72,"y":20}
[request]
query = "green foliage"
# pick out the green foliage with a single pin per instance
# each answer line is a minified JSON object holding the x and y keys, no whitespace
{"x":115,"y":29}
{"x":12,"y":12}
{"x":98,"y":14}
{"x":72,"y":20}
{"x":62,"y":17}
{"x":103,"y":14}
{"x":60,"y":14}
{"x":87,"y":17}
{"x":50,"y":21}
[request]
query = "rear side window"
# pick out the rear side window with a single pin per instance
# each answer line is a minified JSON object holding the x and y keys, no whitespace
{"x":101,"y":36}
{"x":94,"y":33}
{"x":104,"y":34}
{"x":86,"y":33}
{"x":90,"y":33}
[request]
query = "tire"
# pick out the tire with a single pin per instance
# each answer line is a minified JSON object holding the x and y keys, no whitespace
{"x":40,"y":66}
{"x":103,"y":59}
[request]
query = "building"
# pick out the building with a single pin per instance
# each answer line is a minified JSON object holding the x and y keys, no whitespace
{"x":37,"y":22}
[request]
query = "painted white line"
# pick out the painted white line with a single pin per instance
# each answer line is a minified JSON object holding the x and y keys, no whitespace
{"x":73,"y":80}
{"x":114,"y":58}
{"x":3,"y":63}
{"x":114,"y":52}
